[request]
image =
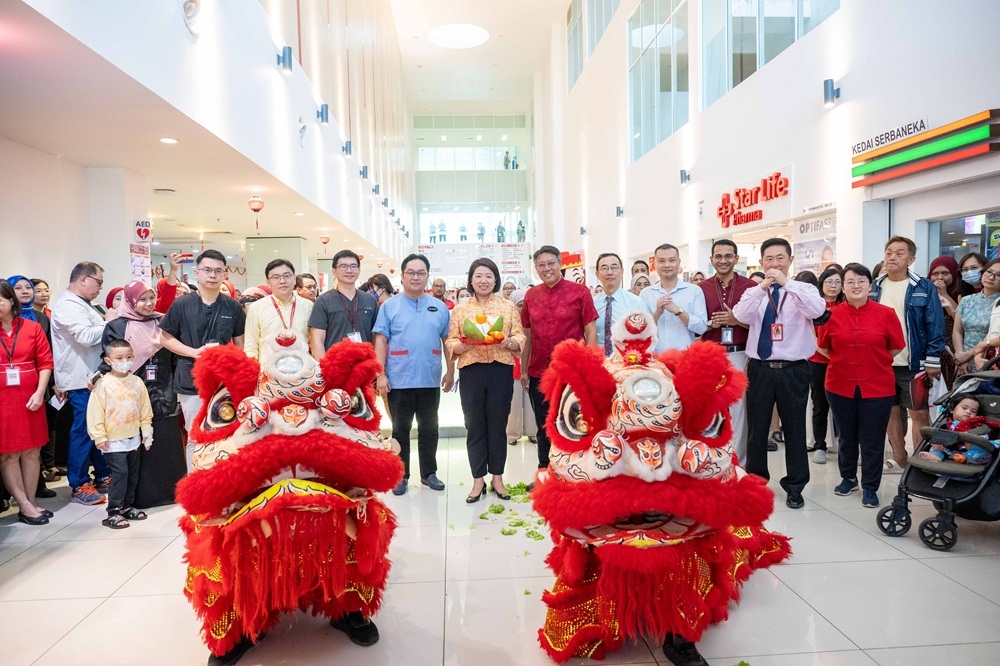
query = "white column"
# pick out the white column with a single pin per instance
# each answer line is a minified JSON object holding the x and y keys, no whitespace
{"x":262,"y":250}
{"x":117,"y":197}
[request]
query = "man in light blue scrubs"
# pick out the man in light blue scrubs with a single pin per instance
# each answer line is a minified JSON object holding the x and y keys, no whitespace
{"x":409,"y":332}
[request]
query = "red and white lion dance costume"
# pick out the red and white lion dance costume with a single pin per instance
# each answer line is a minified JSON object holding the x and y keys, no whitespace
{"x":655,"y":527}
{"x":281,"y":507}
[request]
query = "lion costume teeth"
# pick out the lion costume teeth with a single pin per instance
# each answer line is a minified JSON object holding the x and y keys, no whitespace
{"x":281,"y":507}
{"x":654,"y":525}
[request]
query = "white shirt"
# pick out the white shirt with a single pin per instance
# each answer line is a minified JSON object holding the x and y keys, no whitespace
{"x":264,"y":322}
{"x":77,"y":329}
{"x":671,"y":332}
{"x":622,"y":303}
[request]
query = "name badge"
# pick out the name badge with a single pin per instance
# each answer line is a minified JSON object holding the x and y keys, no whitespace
{"x":727,"y":335}
{"x":151,"y":372}
{"x":13,"y":377}
{"x":777,"y":332}
{"x":354,"y":336}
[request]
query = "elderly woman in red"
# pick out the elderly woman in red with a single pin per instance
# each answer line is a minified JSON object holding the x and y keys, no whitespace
{"x":25,"y":366}
{"x":861,"y":338}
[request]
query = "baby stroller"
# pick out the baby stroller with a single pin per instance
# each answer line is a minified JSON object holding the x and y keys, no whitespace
{"x":966,"y":490}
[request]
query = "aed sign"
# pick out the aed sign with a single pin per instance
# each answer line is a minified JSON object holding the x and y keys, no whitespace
{"x":143,"y":231}
{"x":744,"y":205}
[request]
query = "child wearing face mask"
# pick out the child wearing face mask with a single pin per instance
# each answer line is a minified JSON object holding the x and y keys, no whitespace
{"x":119,"y":417}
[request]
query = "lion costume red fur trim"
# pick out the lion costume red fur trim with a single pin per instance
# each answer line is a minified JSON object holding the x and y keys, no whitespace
{"x":281,"y":508}
{"x":654,"y":526}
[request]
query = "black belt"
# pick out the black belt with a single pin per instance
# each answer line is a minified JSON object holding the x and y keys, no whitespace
{"x":777,"y":365}
{"x":735,"y":348}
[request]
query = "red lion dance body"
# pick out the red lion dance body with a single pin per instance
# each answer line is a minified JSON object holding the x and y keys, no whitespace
{"x":281,"y":510}
{"x":655,"y":527}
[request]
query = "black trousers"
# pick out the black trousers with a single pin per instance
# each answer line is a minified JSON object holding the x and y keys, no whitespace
{"x":124,"y":467}
{"x":862,"y":423}
{"x":788,"y":388}
{"x":486,"y":390}
{"x":422,"y":403}
{"x":541,"y":408}
{"x":820,"y":407}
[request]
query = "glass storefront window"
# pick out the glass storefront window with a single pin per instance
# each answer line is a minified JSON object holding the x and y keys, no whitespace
{"x":779,"y":27}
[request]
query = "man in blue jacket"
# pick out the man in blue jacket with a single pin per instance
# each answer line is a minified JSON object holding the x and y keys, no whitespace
{"x":916,"y":303}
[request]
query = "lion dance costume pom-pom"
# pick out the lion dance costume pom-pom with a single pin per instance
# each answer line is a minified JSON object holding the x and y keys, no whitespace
{"x":655,"y":527}
{"x":281,"y":510}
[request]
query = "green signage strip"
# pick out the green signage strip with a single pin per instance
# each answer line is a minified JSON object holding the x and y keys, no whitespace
{"x":926,"y":150}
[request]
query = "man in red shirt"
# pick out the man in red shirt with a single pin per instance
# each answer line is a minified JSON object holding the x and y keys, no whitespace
{"x":722,"y":291}
{"x":553,"y":311}
{"x":438,"y":290}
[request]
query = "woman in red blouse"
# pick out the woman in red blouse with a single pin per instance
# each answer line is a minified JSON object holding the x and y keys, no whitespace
{"x":860,"y":339}
{"x":25,"y":366}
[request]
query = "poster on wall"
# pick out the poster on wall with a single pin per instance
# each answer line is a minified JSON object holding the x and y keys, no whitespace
{"x":453,"y":259}
{"x":990,"y":236}
{"x":814,"y":243}
{"x":140,"y":262}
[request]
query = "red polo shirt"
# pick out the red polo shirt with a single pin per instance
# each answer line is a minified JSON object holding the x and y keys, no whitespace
{"x":716,"y":293}
{"x":553,"y":315}
{"x":858,"y":341}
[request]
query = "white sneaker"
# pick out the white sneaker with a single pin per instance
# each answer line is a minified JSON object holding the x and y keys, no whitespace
{"x":819,"y":456}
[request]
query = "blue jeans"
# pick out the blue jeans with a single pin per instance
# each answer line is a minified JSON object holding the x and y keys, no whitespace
{"x":82,"y":452}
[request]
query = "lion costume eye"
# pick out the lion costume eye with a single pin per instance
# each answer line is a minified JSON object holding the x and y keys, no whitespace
{"x":359,"y":406}
{"x":221,"y":411}
{"x":570,"y":422}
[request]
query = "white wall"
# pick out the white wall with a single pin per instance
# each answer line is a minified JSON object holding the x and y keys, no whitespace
{"x":895,"y":61}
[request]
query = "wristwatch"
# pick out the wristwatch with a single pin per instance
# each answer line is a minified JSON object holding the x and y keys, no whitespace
{"x":679,"y":312}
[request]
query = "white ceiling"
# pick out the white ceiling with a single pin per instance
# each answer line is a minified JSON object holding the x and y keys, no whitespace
{"x":62,"y":98}
{"x":496,"y":77}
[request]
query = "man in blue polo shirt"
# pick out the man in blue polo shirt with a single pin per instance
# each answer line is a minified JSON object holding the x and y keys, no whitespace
{"x":677,"y":306}
{"x":409,"y":332}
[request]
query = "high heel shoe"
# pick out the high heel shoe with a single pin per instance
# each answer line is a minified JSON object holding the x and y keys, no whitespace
{"x":28,"y":520}
{"x":472,"y":499}
{"x":503,"y":496}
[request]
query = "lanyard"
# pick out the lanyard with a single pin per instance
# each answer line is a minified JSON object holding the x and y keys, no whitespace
{"x":351,"y":317}
{"x":729,"y":291}
{"x":16,"y":330}
{"x":291,"y":318}
{"x":776,"y":306}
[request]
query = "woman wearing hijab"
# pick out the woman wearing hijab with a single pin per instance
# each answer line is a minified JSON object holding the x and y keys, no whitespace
{"x":112,"y":302}
{"x":163,"y":464}
{"x":943,"y":272}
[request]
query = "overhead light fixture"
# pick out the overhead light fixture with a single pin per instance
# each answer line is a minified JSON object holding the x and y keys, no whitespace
{"x":685,"y":177}
{"x":285,"y":59}
{"x":444,"y":137}
{"x":392,"y":213}
{"x":517,"y":208}
{"x":830,"y":93}
{"x":298,"y":213}
{"x":503,"y":137}
{"x":455,"y":208}
{"x":385,"y":202}
{"x":323,"y":114}
{"x":583,"y":231}
{"x":364,"y":172}
{"x":486,"y":207}
{"x":377,"y":189}
{"x":479,"y":137}
{"x":619,"y":211}
{"x":458,"y":36}
{"x":168,"y":140}
{"x":346,"y":148}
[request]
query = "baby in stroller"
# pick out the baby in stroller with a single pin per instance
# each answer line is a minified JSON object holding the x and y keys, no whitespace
{"x":963,"y":417}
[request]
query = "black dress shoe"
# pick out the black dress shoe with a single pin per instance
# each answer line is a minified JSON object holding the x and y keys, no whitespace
{"x":45,"y":493}
{"x":49,"y":476}
{"x":681,"y":652}
{"x":28,"y":520}
{"x":772,"y":445}
{"x":472,"y":499}
{"x":432,"y":482}
{"x":233,"y":655}
{"x":794,"y":500}
{"x":47,"y":513}
{"x":358,"y":628}
{"x":503,"y":496}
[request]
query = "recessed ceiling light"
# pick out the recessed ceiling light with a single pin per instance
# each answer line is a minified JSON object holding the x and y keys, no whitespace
{"x":479,"y":137}
{"x":455,"y":208}
{"x":444,"y":137}
{"x":168,"y":139}
{"x":426,"y":209}
{"x":517,"y":208}
{"x":298,"y":213}
{"x":458,"y":36}
{"x":486,"y":207}
{"x":503,"y":137}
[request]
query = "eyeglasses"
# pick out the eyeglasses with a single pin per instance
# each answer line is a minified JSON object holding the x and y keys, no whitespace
{"x":100,"y":283}
{"x":347,"y":267}
{"x":992,"y":274}
{"x":860,"y":282}
{"x":723,"y":257}
{"x":415,"y":274}
{"x":832,"y":283}
{"x":609,"y":269}
{"x":212,"y":271}
{"x":284,"y":277}
{"x":546,"y":264}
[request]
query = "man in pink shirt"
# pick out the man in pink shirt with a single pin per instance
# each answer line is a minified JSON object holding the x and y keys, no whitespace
{"x":780,"y":315}
{"x":553,"y":311}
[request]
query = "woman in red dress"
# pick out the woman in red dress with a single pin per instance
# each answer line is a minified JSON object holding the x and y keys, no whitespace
{"x":25,"y":366}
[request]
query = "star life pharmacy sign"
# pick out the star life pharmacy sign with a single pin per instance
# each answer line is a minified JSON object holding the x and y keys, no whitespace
{"x":752,"y":202}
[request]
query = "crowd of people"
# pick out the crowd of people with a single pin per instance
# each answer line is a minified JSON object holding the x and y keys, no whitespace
{"x":106,"y":397}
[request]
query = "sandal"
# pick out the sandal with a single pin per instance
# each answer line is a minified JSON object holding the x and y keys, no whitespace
{"x":893,"y":467}
{"x":134,"y":514}
{"x":115,"y":522}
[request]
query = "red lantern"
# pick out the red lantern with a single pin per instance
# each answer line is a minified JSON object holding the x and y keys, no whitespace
{"x":256,"y":205}
{"x":392,"y":270}
{"x":324,"y":239}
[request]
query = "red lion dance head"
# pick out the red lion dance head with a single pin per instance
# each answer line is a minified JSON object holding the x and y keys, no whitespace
{"x":281,"y":510}
{"x":654,"y":524}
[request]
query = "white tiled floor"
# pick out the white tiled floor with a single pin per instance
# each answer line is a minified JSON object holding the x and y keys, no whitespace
{"x":461,"y":592}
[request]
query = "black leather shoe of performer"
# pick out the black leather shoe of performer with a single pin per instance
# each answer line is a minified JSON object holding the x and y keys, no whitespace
{"x":358,"y":628}
{"x":233,"y":655}
{"x":681,"y":652}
